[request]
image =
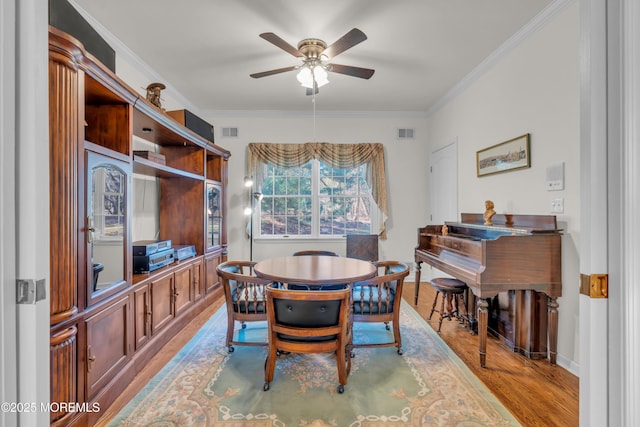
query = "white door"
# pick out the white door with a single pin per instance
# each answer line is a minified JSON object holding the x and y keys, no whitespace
{"x":443,"y":184}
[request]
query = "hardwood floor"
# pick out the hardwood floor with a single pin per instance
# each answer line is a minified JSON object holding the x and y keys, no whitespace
{"x":535,"y":392}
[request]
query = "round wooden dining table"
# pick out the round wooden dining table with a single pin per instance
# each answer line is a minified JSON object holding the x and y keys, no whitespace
{"x":315,"y":270}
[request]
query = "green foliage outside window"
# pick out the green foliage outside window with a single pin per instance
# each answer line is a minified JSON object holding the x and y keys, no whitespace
{"x":315,"y":200}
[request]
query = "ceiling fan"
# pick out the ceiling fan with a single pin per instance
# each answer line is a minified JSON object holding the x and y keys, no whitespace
{"x":315,"y":55}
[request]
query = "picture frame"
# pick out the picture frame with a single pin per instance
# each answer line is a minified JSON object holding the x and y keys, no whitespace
{"x":504,"y":157}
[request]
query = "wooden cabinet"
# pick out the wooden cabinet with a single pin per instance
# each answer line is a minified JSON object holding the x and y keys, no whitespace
{"x":142,"y":316}
{"x":107,"y":322}
{"x":211,"y":262}
{"x":108,"y":346}
{"x":183,"y":292}
{"x":162,"y":308}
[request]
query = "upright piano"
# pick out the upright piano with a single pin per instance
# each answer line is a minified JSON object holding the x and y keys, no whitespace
{"x":513,"y":267}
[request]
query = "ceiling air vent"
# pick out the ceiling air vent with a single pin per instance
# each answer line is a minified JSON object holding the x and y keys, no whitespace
{"x":405,"y":133}
{"x":230,"y":132}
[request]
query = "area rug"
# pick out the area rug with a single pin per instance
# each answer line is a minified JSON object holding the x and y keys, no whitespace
{"x":205,"y":385}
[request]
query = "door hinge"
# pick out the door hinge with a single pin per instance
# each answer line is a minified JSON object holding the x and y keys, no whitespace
{"x":594,"y":285}
{"x":29,"y":291}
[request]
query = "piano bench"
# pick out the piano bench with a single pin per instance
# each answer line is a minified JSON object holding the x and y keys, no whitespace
{"x":452,"y":290}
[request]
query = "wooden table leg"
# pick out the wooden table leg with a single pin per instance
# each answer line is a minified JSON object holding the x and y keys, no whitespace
{"x":483,"y":317}
{"x":552,"y":318}
{"x":417,"y":279}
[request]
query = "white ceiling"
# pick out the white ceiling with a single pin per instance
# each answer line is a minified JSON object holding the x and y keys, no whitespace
{"x":420,"y":49}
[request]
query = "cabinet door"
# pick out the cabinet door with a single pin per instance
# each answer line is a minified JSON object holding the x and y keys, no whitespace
{"x":161,"y":302}
{"x":198,"y":282}
{"x":183,"y":288}
{"x":142,"y":316}
{"x":106,"y":226}
{"x":214,"y":214}
{"x":107,"y":344}
{"x":212,"y":280}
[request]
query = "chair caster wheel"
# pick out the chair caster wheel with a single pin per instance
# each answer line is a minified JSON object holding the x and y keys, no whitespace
{"x":352,"y":355}
{"x":388,"y":328}
{"x":244,"y":326}
{"x":400,"y":351}
{"x":340,"y":389}
{"x":231,"y":349}
{"x":265,"y":387}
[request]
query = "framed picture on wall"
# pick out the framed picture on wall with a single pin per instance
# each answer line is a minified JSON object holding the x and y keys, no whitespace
{"x":506,"y":156}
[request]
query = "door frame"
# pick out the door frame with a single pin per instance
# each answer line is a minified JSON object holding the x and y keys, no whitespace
{"x":8,"y":337}
{"x":610,"y":206}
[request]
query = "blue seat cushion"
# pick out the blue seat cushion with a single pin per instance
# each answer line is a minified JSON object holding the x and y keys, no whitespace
{"x":371,"y":300}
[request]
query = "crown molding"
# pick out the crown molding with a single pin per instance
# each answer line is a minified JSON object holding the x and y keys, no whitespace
{"x":127,"y":54}
{"x":538,"y":22}
{"x":322,"y":114}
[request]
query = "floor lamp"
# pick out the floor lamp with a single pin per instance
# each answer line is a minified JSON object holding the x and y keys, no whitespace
{"x":249,"y":210}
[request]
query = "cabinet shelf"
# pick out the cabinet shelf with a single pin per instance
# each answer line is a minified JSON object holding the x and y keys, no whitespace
{"x":149,"y":168}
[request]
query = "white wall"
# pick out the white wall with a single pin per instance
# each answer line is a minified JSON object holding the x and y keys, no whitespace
{"x":533,"y":89}
{"x":406,"y":165}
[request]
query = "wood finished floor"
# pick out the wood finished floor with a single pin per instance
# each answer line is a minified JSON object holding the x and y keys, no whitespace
{"x":535,"y":392}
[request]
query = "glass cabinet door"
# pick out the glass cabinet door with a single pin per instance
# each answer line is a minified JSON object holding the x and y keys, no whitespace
{"x":106,"y":225}
{"x":214,"y":214}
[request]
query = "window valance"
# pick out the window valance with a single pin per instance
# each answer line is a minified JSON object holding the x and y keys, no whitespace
{"x":340,"y":156}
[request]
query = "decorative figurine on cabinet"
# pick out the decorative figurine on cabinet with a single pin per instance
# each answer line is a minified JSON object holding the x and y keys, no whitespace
{"x":489,"y":212}
{"x":153,"y":93}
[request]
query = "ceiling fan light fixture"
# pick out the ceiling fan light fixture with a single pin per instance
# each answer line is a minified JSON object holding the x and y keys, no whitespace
{"x":321,"y":75}
{"x":306,"y":75}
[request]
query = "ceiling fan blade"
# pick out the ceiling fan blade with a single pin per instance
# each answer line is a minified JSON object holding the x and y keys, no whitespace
{"x":272,"y":72}
{"x":345,"y":42}
{"x":363,"y":73}
{"x":273,"y":39}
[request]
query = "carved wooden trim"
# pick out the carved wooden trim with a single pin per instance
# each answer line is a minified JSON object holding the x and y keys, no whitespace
{"x":64,"y":350}
{"x":63,"y":139}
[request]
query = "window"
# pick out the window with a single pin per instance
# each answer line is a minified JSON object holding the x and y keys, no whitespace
{"x":315,"y":200}
{"x":318,"y":189}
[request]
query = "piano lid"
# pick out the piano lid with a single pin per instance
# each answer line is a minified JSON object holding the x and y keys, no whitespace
{"x":472,"y":225}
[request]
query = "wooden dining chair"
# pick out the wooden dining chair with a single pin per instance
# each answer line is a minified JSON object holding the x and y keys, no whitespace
{"x":245,"y":298}
{"x":362,"y":246}
{"x":378,"y":300}
{"x":314,"y":252}
{"x":309,"y":322}
{"x":316,"y":287}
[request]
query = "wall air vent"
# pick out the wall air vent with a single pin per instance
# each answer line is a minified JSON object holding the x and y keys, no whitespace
{"x":405,"y":133}
{"x":229,"y":132}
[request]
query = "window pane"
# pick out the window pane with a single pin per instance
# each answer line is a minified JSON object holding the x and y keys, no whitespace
{"x":344,"y":201}
{"x":305,"y":186}
{"x":266,"y":206}
{"x":279,"y":222}
{"x":279,"y":205}
{"x":292,"y":185}
{"x":266,"y":225}
{"x":292,"y":225}
{"x":267,"y":186}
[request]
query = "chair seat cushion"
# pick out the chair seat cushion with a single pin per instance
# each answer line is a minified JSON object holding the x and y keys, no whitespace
{"x":371,"y":300}
{"x":250,"y":299}
{"x":293,"y":339}
{"x":305,"y":287}
{"x":447,"y":285}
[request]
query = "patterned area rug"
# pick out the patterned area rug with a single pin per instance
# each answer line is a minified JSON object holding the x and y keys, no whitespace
{"x":204,"y":385}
